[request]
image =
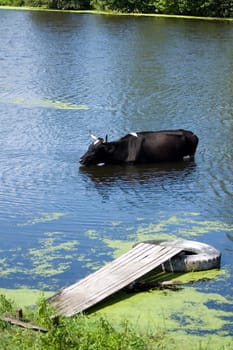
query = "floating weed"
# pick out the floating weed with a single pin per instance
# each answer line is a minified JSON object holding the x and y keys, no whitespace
{"x":49,"y":104}
{"x":173,"y":227}
{"x":140,"y":219}
{"x":119,"y":247}
{"x":51,"y":258}
{"x":55,"y":104}
{"x":7,"y":270}
{"x":184,"y":313}
{"x":91,"y":265}
{"x":45,"y":217}
{"x":92,"y":234}
{"x":116,"y":223}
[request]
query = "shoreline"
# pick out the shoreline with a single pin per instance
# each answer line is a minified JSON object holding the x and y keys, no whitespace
{"x":95,"y":12}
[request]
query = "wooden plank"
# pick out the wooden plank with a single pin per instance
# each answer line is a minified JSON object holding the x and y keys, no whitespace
{"x":114,"y":276}
{"x":111,"y":278}
{"x":28,"y":325}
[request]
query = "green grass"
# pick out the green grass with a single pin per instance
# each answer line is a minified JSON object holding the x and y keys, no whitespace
{"x":81,"y":332}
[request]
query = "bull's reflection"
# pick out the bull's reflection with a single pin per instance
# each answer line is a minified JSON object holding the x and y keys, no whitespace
{"x":156,"y":174}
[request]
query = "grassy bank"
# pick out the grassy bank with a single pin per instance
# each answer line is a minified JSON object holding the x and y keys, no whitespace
{"x":95,"y":12}
{"x":76,"y":333}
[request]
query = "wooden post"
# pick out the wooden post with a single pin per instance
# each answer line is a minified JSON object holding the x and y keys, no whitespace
{"x":55,"y":319}
{"x":19,"y":314}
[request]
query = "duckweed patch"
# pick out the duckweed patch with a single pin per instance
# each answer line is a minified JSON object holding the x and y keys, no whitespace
{"x":118,"y":247}
{"x":184,"y":313}
{"x":190,"y":225}
{"x":52,"y":257}
{"x":49,"y":104}
{"x":24,"y":297}
{"x":116,"y":223}
{"x":45,"y":217}
{"x":187,"y":226}
{"x":92,"y":234}
{"x":46,"y":103}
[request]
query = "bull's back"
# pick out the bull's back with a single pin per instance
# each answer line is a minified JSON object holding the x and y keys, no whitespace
{"x":178,"y":132}
{"x":167,"y":145}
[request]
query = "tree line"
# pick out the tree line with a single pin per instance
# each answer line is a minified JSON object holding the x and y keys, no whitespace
{"x":208,"y":8}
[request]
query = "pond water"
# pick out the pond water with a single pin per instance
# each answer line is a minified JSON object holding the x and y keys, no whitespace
{"x":65,"y":75}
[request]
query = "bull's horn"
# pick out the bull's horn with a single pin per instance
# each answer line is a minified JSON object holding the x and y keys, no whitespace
{"x":94,"y":137}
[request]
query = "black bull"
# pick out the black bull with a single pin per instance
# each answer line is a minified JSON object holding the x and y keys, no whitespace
{"x":142,"y":147}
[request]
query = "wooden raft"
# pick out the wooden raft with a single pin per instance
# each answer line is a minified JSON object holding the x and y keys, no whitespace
{"x":114,"y":276}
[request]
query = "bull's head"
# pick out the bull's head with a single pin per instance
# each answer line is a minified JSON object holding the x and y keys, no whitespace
{"x":96,"y":152}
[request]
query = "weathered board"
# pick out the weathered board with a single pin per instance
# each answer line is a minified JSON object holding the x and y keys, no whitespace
{"x":22,"y":324}
{"x":114,"y":276}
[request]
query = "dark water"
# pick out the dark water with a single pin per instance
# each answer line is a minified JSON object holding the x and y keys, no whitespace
{"x":64,"y":75}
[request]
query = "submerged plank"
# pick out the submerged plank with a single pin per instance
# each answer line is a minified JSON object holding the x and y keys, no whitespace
{"x":114,"y":276}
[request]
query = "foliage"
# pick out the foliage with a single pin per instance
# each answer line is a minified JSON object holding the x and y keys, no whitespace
{"x":217,"y":8}
{"x":69,"y":5}
{"x":5,"y":305}
{"x":52,"y":4}
{"x":129,"y":6}
{"x":81,"y":332}
{"x":12,"y":3}
{"x":208,"y":8}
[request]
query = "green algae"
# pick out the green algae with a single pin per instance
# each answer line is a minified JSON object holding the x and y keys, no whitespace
{"x":159,"y":275}
{"x":92,"y":234}
{"x":54,"y":104}
{"x":190,"y":225}
{"x":6,"y":266}
{"x":116,"y":223}
{"x":24,"y":297}
{"x":186,"y":314}
{"x":49,"y":104}
{"x":187,"y":226}
{"x":118,"y":247}
{"x":161,"y":231}
{"x":45,"y":217}
{"x":51,"y":257}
